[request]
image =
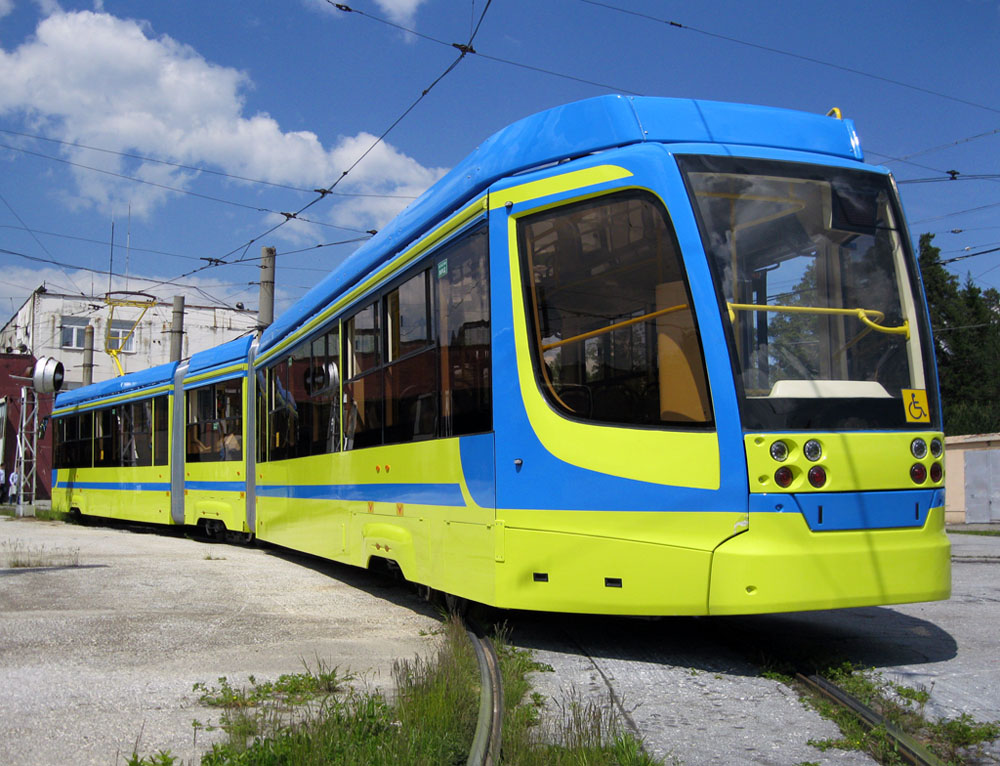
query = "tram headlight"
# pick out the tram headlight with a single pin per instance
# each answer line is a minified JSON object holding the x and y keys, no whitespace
{"x":937,"y":447}
{"x":936,"y":472}
{"x":918,"y":473}
{"x":779,"y":451}
{"x":918,"y":448}
{"x":813,"y":450}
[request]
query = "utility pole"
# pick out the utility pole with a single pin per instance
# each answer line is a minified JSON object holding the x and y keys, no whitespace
{"x":88,"y":355}
{"x":177,"y":329}
{"x":266,"y":312}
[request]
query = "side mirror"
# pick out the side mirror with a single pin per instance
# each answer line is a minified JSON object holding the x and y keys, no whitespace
{"x":47,"y":377}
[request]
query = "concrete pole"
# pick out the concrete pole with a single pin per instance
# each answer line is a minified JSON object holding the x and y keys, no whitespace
{"x":266,"y":311}
{"x":88,"y":355}
{"x":177,"y":330}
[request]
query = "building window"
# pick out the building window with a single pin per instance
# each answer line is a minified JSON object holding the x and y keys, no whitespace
{"x":119,"y":330}
{"x":73,"y":330}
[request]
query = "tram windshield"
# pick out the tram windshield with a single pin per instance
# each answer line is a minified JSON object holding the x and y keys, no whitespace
{"x":819,"y":289}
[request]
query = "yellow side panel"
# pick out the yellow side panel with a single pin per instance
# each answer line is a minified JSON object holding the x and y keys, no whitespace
{"x":557,"y":572}
{"x":151,"y":506}
{"x":781,"y":565}
{"x":225,"y":505}
{"x":693,"y":529}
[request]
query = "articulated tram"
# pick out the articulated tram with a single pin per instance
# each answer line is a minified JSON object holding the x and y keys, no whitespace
{"x":631,"y":356}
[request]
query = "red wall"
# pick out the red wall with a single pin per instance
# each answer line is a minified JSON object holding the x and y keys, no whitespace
{"x":22,"y":365}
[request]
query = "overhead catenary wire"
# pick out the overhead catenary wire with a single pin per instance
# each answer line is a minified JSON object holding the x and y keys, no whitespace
{"x":37,"y":241}
{"x":467,"y":48}
{"x":177,"y":189}
{"x":324,"y":192}
{"x":182,"y":166}
{"x":790,"y":54}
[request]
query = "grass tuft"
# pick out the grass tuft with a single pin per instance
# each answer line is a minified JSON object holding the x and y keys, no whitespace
{"x":17,"y":555}
{"x":319,"y":717}
{"x":957,"y":741}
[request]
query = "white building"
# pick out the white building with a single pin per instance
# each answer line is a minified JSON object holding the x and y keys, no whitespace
{"x":53,"y":324}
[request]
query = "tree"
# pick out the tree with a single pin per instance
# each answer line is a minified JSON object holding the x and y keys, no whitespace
{"x":966,"y":326}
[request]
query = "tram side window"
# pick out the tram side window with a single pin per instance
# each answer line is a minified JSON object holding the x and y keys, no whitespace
{"x":63,"y":436}
{"x":316,"y":374}
{"x":610,"y":313}
{"x":72,"y":441}
{"x":83,"y":453}
{"x":134,"y":439}
{"x":300,"y":401}
{"x":363,"y":388}
{"x":282,"y":412}
{"x":215,"y":422}
{"x":411,"y":372}
{"x":462,"y":280}
{"x":161,"y":431}
{"x":107,"y":438}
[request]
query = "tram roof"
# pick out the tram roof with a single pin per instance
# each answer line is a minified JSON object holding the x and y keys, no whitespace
{"x":232,"y":352}
{"x":573,"y":130}
{"x":124,"y":384}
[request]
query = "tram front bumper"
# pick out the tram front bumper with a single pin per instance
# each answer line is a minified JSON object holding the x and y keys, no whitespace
{"x":780,"y":565}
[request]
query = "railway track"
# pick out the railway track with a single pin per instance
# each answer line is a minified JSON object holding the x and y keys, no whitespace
{"x":908,"y":748}
{"x":693,"y":691}
{"x":485,"y":749}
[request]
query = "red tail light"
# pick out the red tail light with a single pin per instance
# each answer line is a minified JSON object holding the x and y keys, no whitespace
{"x":817,"y":476}
{"x":783,"y":477}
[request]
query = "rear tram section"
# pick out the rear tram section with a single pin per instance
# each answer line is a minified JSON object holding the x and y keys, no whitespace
{"x":632,"y":356}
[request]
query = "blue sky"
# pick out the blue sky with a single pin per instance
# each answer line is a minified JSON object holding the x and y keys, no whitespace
{"x":292,"y":93}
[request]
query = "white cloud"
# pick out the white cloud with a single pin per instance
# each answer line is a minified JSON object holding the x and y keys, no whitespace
{"x":93,"y":78}
{"x":401,"y":12}
{"x":6,"y":6}
{"x":48,"y":7}
{"x":20,"y":281}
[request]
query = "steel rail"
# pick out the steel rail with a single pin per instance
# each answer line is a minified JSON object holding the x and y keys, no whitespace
{"x":485,"y":749}
{"x":908,"y":747}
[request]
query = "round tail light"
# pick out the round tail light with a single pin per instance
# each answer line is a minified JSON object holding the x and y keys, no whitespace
{"x":918,"y":473}
{"x":783,"y":477}
{"x":936,"y":472}
{"x":817,"y":476}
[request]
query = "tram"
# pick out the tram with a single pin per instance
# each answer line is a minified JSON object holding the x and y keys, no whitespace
{"x":631,"y":356}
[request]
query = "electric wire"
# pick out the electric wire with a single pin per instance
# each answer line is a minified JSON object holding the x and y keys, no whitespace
{"x":810,"y":59}
{"x":100,"y":272}
{"x":467,"y":48}
{"x":322,"y":193}
{"x":37,"y":240}
{"x":182,"y":166}
{"x":176,"y":189}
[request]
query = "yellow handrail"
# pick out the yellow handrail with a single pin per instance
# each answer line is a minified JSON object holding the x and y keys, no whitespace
{"x":612,"y":327}
{"x":865,"y":315}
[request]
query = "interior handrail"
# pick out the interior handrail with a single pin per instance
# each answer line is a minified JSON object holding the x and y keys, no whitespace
{"x":613,"y":327}
{"x":868,"y":317}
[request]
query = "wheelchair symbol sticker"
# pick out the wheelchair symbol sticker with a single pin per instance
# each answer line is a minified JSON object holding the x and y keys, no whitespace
{"x":915,"y":402}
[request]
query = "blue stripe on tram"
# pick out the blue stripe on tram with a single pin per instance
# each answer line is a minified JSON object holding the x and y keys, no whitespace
{"x":423,"y":494}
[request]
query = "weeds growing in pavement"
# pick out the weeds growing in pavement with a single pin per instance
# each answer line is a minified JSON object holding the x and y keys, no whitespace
{"x":983,"y":532}
{"x":956,"y":741}
{"x":16,"y":554}
{"x":319,"y":717}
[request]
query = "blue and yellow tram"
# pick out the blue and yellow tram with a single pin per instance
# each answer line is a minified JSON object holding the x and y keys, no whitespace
{"x":631,"y":356}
